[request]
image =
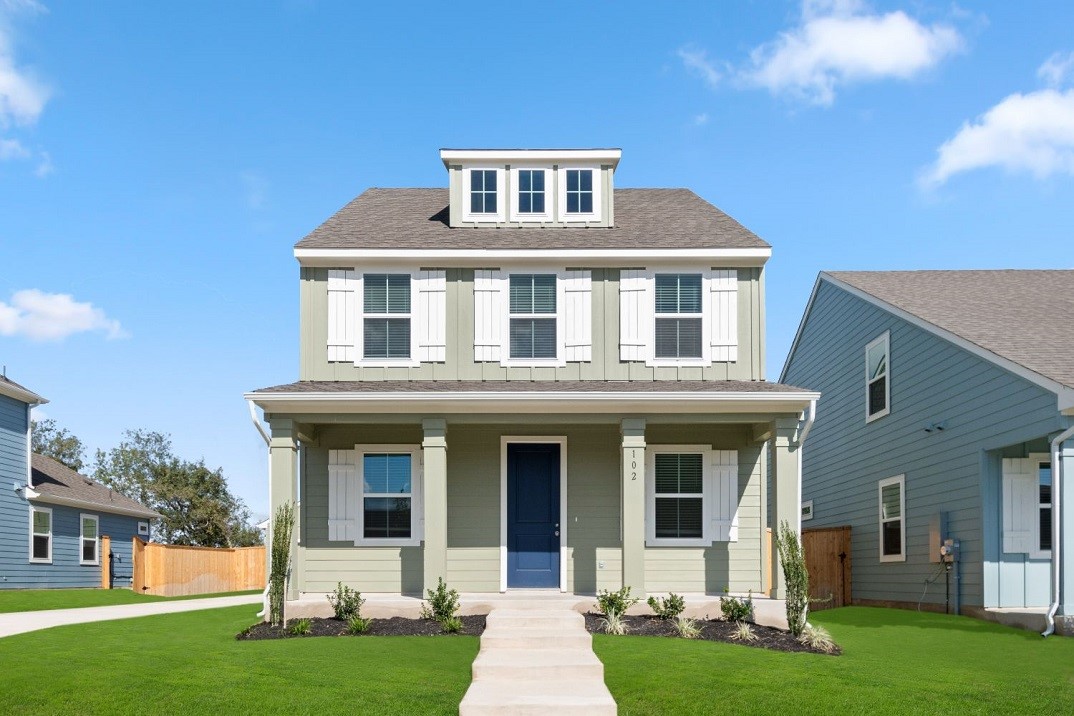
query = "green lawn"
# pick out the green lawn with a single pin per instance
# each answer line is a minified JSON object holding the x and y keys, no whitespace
{"x":190,"y":663}
{"x":893,"y":662}
{"x":28,"y":600}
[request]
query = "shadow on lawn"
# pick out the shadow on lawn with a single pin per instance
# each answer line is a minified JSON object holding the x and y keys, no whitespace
{"x":881,"y":617}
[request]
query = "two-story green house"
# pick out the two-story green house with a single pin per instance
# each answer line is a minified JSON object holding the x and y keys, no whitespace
{"x":532,"y":379}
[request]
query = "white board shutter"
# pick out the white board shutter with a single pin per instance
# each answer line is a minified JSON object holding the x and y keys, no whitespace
{"x":489,"y":308}
{"x":342,"y":314}
{"x":1019,"y":505}
{"x":635,"y":315}
{"x":725,"y":496}
{"x":342,"y":496}
{"x":578,"y":315}
{"x":723,"y":315}
{"x":431,"y":316}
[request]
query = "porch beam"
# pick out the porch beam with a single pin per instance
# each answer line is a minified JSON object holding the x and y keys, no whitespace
{"x":633,"y":504}
{"x":434,"y":477}
{"x":786,"y":491}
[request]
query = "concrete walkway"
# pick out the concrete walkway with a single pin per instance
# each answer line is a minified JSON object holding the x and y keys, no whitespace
{"x":21,"y":622}
{"x":537,"y":658}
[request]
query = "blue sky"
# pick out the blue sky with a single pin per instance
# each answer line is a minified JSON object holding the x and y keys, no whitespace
{"x":158,"y":161}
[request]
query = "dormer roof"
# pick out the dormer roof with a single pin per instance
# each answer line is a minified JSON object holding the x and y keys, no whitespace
{"x":608,"y":155}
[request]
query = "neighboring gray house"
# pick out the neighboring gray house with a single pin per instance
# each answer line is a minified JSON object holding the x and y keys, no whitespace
{"x":54,"y":521}
{"x":941,"y":393}
{"x":531,"y":379}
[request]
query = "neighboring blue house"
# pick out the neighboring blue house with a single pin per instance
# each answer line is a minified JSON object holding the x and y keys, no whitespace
{"x":942,"y":394}
{"x":52,"y":519}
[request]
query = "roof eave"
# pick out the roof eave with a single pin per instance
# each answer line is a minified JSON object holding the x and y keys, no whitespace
{"x":51,"y":499}
{"x":609,"y":155}
{"x":21,"y":394}
{"x":730,"y":257}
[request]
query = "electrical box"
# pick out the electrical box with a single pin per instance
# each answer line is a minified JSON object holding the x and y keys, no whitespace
{"x":937,"y":536}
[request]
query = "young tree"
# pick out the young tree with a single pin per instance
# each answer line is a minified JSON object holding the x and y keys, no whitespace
{"x":49,"y":439}
{"x":795,"y":575}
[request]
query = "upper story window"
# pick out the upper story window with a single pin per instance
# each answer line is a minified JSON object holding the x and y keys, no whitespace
{"x":531,"y":191}
{"x":579,"y":191}
{"x":386,"y":316}
{"x":483,"y":191}
{"x":679,"y":315}
{"x":877,"y":383}
{"x":533,"y":333}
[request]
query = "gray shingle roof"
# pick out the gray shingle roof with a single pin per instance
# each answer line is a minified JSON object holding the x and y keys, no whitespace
{"x":1024,"y":316}
{"x":54,"y":479}
{"x":19,"y":392}
{"x":564,"y":386}
{"x":418,"y":219}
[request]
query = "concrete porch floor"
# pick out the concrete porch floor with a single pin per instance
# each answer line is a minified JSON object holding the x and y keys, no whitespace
{"x":767,"y":612}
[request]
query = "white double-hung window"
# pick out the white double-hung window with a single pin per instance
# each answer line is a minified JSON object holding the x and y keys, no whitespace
{"x":679,"y":316}
{"x":692,"y":495}
{"x":892,"y":506}
{"x":877,"y":383}
{"x":533,"y":317}
{"x":375,"y":495}
{"x":89,"y":542}
{"x":40,"y":534}
{"x":386,"y":316}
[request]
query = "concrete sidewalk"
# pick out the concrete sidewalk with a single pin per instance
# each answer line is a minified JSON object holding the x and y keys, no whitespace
{"x":21,"y":622}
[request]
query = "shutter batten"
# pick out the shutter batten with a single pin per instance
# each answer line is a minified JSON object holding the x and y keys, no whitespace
{"x":342,"y":314}
{"x":1020,"y":505}
{"x":725,"y":496}
{"x":431,"y":316}
{"x":578,"y":316}
{"x":635,"y":315}
{"x":723,"y":314}
{"x":342,"y":496}
{"x":489,"y":314}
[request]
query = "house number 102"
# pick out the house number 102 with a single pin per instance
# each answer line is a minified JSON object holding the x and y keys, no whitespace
{"x":634,"y":468}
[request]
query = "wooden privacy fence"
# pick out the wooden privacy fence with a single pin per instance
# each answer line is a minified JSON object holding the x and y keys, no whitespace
{"x":174,"y":570}
{"x":827,"y":555}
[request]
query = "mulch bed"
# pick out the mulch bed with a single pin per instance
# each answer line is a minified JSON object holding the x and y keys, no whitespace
{"x":396,"y":626}
{"x":711,"y":630}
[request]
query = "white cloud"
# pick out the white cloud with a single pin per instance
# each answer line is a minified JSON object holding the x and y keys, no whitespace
{"x":22,"y":95}
{"x":837,"y":43}
{"x":42,"y":316}
{"x":44,"y":165}
{"x":1031,"y":133}
{"x":1057,"y":69}
{"x":701,"y":119}
{"x":697,"y":61}
{"x":12,"y":149}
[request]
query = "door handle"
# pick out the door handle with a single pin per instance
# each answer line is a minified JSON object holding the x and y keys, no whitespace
{"x":557,"y":533}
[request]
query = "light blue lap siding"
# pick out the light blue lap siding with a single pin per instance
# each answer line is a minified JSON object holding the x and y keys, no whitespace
{"x":985,"y":409}
{"x":14,"y":518}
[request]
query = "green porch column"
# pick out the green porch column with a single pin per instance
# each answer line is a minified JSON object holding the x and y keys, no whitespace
{"x":633,"y":506}
{"x":283,"y":465}
{"x":1065,"y":618}
{"x":434,"y":459}
{"x":786,"y":492}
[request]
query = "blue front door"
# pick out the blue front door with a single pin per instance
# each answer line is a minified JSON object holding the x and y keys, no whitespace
{"x":532,"y":515}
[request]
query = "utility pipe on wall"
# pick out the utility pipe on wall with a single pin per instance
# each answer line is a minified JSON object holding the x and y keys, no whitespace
{"x":1057,"y":527}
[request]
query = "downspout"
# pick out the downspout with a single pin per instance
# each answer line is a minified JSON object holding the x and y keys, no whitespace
{"x":268,"y":444}
{"x":1057,"y":526}
{"x":803,"y":432}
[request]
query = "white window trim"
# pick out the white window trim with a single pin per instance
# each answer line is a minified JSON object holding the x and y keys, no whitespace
{"x":359,"y":333}
{"x":706,"y":321}
{"x":807,"y":510}
{"x":549,"y":194}
{"x":707,"y":496}
{"x":143,"y":529}
{"x":899,"y":480}
{"x":82,"y":539}
{"x":561,"y":194}
{"x":1036,"y":552}
{"x":560,"y":361}
{"x":35,"y":508}
{"x":501,"y":198}
{"x":417,"y":485}
{"x":884,"y":339}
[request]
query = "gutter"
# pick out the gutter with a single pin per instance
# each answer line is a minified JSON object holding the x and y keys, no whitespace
{"x":1057,"y":527}
{"x":268,"y":444}
{"x":49,"y":499}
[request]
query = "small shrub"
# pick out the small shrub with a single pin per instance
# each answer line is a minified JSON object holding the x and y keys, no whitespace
{"x":687,"y":628}
{"x":443,"y":603}
{"x":617,"y":602}
{"x":300,"y":627}
{"x":451,"y":625}
{"x":357,"y":625}
{"x":346,"y":602}
{"x":668,"y":608}
{"x":743,"y":632}
{"x":613,"y":623}
{"x":817,"y":637}
{"x":737,"y":610}
{"x":795,"y":575}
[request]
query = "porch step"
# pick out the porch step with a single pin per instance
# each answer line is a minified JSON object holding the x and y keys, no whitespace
{"x":563,"y":697}
{"x":537,"y":664}
{"x":535,"y":638}
{"x":529,"y":619}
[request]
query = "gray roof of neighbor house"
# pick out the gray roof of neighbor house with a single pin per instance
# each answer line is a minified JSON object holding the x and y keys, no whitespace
{"x":418,"y":219}
{"x":526,"y":386}
{"x":1024,"y":316}
{"x":12,"y":389}
{"x":55,"y":481}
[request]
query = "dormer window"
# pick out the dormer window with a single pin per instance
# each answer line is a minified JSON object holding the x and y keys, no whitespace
{"x":531,"y":191}
{"x":579,"y":191}
{"x":483,"y":191}
{"x":579,"y":194}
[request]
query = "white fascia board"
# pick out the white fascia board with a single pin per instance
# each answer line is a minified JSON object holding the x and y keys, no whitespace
{"x":460,"y":156}
{"x":1064,"y":394}
{"x":47,"y":499}
{"x":537,"y":402}
{"x":467,"y":257}
{"x":21,"y":394}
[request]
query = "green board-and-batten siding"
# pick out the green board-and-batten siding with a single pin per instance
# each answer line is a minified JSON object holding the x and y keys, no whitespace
{"x":593,"y":514}
{"x":460,"y":364}
{"x":989,"y":413}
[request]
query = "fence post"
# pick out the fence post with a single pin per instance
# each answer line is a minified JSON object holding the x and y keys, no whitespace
{"x":138,"y":568}
{"x":106,"y":562}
